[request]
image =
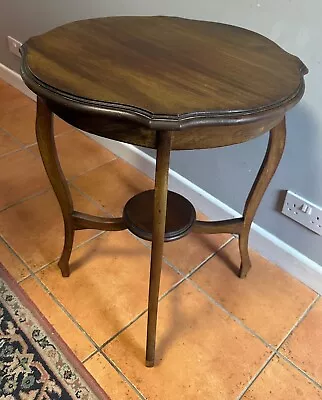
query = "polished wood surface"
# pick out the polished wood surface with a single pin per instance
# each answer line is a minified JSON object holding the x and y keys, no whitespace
{"x":168,"y":72}
{"x":138,"y":216}
{"x":274,"y":152}
{"x":73,"y":220}
{"x":202,"y":136}
{"x":169,"y":84}
{"x":159,"y":223}
{"x":48,"y":152}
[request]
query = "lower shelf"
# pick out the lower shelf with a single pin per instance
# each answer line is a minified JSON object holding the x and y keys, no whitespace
{"x":138,"y":216}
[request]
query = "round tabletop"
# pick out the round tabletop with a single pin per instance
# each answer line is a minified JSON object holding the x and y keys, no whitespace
{"x":164,"y":67}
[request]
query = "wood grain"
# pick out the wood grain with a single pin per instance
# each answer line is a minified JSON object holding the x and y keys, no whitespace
{"x":138,"y":216}
{"x":171,"y":71}
{"x":158,"y":230}
{"x":48,"y":152}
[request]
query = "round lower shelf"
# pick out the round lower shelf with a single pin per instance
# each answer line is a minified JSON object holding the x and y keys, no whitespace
{"x":138,"y":216}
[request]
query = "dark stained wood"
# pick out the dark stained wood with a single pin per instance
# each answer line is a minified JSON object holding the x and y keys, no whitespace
{"x":201,"y":137}
{"x":169,"y":84}
{"x":163,"y":72}
{"x":228,"y":226}
{"x":138,"y":216}
{"x":159,"y":218}
{"x":48,"y":152}
{"x":241,"y":226}
{"x":86,"y":221}
{"x":270,"y":163}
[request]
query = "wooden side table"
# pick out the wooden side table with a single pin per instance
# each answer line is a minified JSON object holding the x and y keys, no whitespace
{"x":166,"y":84}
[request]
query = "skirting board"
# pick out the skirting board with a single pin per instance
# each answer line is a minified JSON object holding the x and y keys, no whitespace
{"x":14,"y":79}
{"x":268,"y":245}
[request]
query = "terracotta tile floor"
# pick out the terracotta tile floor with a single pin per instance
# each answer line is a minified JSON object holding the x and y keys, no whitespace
{"x":219,"y":337}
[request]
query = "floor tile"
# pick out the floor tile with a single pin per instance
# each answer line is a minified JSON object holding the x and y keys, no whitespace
{"x":109,"y":379}
{"x":12,"y":263}
{"x":108,"y":286}
{"x":113,"y":184}
{"x":8,"y":144}
{"x":269,"y":300}
{"x":21,"y":123}
{"x":70,"y":333}
{"x":34,"y":228}
{"x":60,"y":126}
{"x":201,"y":352}
{"x":78,"y":153}
{"x":23,"y":176}
{"x":304,"y":346}
{"x":281,"y":381}
{"x":187,"y":253}
{"x":11,"y":99}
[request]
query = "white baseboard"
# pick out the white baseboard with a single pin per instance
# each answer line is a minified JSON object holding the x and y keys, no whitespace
{"x":268,"y":245}
{"x":14,"y":79}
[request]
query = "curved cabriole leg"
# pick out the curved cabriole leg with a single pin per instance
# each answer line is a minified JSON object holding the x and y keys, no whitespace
{"x":159,"y":219}
{"x":270,"y":163}
{"x":48,"y":151}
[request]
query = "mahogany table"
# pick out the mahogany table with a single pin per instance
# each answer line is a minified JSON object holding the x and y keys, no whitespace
{"x":168,"y":84}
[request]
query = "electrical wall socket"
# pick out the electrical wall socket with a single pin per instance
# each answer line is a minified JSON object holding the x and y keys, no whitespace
{"x":303,"y":212}
{"x":14,"y":46}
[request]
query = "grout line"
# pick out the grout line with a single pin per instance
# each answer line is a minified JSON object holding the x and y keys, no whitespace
{"x":9,"y":153}
{"x":299,"y":369}
{"x":94,"y":352}
{"x":236,"y":319}
{"x":71,"y":179}
{"x":88,"y":197}
{"x":62,"y":307}
{"x":117,"y":369}
{"x":23,"y":146}
{"x":26,"y":199}
{"x":24,"y":278}
{"x":148,"y":246}
{"x":122,"y":329}
{"x":171,"y":289}
{"x":12,"y":250}
{"x":125,"y":378}
{"x":14,"y":138}
{"x":208,"y":258}
{"x":49,"y":188}
{"x":91,"y":355}
{"x":277,"y":353}
{"x":41,"y":268}
{"x":74,"y":177}
{"x":256,"y":375}
{"x":300,"y":319}
{"x":140,"y":315}
{"x":177,"y":270}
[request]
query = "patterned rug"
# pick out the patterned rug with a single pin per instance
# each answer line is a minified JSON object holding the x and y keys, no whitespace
{"x":35,"y":363}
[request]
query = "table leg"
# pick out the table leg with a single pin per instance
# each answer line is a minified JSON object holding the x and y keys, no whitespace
{"x":270,"y":163}
{"x":48,"y":151}
{"x":159,"y":220}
